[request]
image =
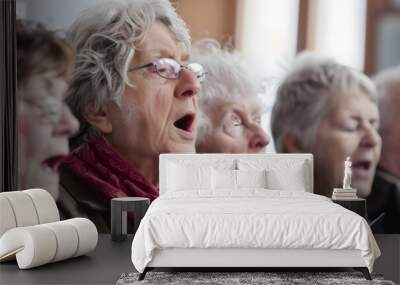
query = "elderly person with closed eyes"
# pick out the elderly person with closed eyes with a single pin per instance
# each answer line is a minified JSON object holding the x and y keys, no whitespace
{"x":134,"y":91}
{"x":230,"y":110}
{"x":45,"y":123}
{"x":331,"y":111}
{"x":383,"y":205}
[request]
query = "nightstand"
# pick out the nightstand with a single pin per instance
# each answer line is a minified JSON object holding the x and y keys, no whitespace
{"x":119,"y":213}
{"x":358,"y":205}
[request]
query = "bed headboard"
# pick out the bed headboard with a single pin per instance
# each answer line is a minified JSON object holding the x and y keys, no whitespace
{"x":296,"y":168}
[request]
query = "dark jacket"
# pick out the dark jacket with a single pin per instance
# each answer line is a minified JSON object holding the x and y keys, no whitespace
{"x":74,"y":201}
{"x":383,"y":205}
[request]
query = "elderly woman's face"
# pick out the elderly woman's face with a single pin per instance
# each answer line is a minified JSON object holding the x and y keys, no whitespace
{"x":44,"y":125}
{"x":349,"y":129}
{"x":235,"y":128}
{"x":157,"y":115}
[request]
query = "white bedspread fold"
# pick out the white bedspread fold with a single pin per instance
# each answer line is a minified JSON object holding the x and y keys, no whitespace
{"x":250,"y":218}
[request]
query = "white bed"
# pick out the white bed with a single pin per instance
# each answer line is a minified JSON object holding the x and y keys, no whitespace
{"x":225,"y":210}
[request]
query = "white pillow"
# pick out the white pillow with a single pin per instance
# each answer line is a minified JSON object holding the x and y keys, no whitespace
{"x":224,"y":179}
{"x":251,"y":178}
{"x":282,"y":173}
{"x":277,"y":180}
{"x":188,"y":177}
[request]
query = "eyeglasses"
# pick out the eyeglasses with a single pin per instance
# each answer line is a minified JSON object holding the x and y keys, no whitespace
{"x":170,"y":69}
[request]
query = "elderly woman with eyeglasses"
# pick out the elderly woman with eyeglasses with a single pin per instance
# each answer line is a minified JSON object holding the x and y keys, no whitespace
{"x":329,"y":110}
{"x":230,"y":109}
{"x":134,"y":92}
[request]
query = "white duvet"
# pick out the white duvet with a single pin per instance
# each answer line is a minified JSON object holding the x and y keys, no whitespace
{"x":250,"y":218}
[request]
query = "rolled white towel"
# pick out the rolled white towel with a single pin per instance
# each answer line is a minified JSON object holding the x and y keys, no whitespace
{"x":33,"y":246}
{"x":7,"y":218}
{"x":40,"y":244}
{"x":45,"y":205}
{"x":87,"y":235}
{"x":22,"y":207}
{"x":67,"y":240}
{"x":26,"y":208}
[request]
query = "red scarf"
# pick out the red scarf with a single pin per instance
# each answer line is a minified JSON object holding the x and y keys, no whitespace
{"x":107,"y":173}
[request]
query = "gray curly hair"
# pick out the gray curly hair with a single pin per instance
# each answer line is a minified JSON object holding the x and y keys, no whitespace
{"x":303,"y":97}
{"x":386,"y":83}
{"x":105,"y":36}
{"x":228,"y":79}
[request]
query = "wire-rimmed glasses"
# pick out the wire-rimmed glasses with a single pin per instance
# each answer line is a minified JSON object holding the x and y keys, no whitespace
{"x":169,"y":68}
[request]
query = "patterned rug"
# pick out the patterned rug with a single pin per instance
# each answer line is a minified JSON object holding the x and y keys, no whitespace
{"x":229,"y":278}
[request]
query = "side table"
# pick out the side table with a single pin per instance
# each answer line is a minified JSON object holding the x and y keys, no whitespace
{"x":119,"y":211}
{"x":358,"y":205}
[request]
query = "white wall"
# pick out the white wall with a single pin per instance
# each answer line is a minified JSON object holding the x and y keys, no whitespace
{"x":388,"y":42}
{"x":340,"y":28}
{"x":267,"y":37}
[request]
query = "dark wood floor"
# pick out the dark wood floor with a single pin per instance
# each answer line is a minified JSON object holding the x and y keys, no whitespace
{"x":106,"y":264}
{"x":389,"y":262}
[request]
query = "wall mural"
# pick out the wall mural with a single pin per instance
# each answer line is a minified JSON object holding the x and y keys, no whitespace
{"x":96,"y":106}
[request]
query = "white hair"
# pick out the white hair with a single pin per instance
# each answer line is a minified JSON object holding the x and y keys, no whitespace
{"x":303,"y":96}
{"x":228,"y":79}
{"x":105,"y":37}
{"x":387,"y":82}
